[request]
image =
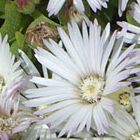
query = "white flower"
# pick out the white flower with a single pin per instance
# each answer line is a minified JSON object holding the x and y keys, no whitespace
{"x":92,"y":67}
{"x":133,"y":34}
{"x":124,"y":126}
{"x":54,"y":6}
{"x":122,"y":6}
{"x":11,"y":83}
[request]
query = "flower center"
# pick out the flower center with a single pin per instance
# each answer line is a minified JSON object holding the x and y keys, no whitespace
{"x":91,"y":89}
{"x":7,"y":124}
{"x":2,"y":83}
{"x":135,"y":136}
{"x":124,"y":98}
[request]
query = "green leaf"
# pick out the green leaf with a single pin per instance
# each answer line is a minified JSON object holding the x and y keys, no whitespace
{"x":42,"y":18}
{"x":18,"y":43}
{"x":36,"y":1}
{"x":2,"y":5}
{"x":13,"y":20}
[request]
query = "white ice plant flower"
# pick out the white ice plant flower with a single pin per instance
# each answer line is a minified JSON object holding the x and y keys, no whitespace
{"x":54,"y":6}
{"x":124,"y":126}
{"x":92,"y":67}
{"x":14,"y":117}
{"x":11,"y":81}
{"x":133,"y":34}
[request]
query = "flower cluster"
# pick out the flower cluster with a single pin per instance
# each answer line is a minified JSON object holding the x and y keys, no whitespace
{"x":81,"y":82}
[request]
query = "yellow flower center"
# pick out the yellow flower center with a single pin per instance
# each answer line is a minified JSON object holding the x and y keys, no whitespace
{"x":135,"y":136}
{"x":91,"y":89}
{"x":7,"y":124}
{"x":124,"y":98}
{"x":2,"y":83}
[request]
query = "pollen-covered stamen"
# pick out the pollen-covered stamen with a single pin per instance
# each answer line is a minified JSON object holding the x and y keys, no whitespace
{"x":7,"y":124}
{"x":135,"y":136}
{"x":91,"y":89}
{"x":124,"y":98}
{"x":2,"y":83}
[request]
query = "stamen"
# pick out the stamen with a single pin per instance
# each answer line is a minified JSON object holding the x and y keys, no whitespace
{"x":91,"y":89}
{"x":124,"y":98}
{"x":7,"y":124}
{"x":135,"y":136}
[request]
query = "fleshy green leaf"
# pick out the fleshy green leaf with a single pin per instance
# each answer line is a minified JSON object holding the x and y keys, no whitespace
{"x":2,"y":5}
{"x":13,"y":20}
{"x":18,"y":43}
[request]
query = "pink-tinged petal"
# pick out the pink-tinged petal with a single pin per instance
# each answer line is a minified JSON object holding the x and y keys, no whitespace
{"x":25,"y":124}
{"x":11,"y":99}
{"x":11,"y":92}
{"x":3,"y":136}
